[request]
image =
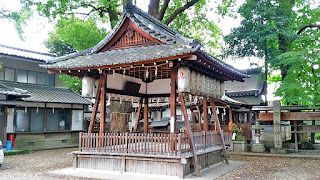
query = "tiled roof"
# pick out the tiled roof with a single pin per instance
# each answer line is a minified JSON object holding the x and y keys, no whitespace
{"x":151,"y":26}
{"x":12,"y":91}
{"x":127,"y":55}
{"x":33,"y":55}
{"x":40,"y":93}
{"x":252,"y":86}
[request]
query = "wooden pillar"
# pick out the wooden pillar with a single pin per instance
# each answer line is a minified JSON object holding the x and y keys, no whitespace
{"x":4,"y":143}
{"x":173,"y":95}
{"x":145,"y":115}
{"x":205,"y":114}
{"x":230,"y":121}
{"x":296,"y":137}
{"x":138,"y":115}
{"x":103,"y":104}
{"x":213,"y":106}
{"x":95,"y":106}
{"x":190,"y":137}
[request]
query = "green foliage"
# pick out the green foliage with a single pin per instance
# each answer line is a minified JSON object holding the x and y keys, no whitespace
{"x":57,"y":46}
{"x":269,"y":30}
{"x":16,"y":152}
{"x":238,"y":131}
{"x":317,"y":136}
{"x":72,"y":82}
{"x":194,"y":23}
{"x":72,"y":34}
{"x":80,"y":34}
{"x":19,"y":18}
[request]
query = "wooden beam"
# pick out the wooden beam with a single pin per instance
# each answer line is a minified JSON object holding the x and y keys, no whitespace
{"x":291,"y":116}
{"x":189,"y":133}
{"x":145,"y":116}
{"x":95,"y":107}
{"x":191,"y":58}
{"x":173,"y":96}
{"x":216,"y":119}
{"x":205,"y":114}
{"x":103,"y":105}
{"x":138,"y":115}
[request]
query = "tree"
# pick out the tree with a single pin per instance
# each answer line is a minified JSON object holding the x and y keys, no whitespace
{"x":301,"y":85}
{"x":186,"y":16}
{"x":270,"y":30}
{"x":70,"y":35}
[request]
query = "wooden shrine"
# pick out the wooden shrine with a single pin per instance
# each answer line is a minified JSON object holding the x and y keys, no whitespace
{"x":140,"y":60}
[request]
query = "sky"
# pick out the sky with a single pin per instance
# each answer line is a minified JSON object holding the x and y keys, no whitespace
{"x":37,"y":28}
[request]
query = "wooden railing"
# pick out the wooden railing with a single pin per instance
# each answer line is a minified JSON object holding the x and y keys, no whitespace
{"x":147,"y":144}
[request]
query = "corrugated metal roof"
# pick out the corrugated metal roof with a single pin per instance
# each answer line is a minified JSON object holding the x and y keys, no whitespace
{"x":28,"y":54}
{"x":40,"y":93}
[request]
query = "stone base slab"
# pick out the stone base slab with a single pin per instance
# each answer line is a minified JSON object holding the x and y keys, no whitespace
{"x":259,"y":148}
{"x":278,"y":151}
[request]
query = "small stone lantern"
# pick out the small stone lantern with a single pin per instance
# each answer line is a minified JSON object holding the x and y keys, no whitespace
{"x":257,"y":146}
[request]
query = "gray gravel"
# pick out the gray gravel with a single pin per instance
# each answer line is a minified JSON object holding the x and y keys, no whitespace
{"x":274,"y":168}
{"x":37,"y":164}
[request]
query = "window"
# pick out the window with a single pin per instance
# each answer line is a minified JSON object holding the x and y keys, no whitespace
{"x":22,"y":121}
{"x":77,"y":117}
{"x":243,"y":118}
{"x":36,"y":119}
{"x":1,"y":74}
{"x":30,"y":120}
{"x":26,"y":76}
{"x":32,"y":77}
{"x":9,"y":74}
{"x":58,"y":119}
{"x":42,"y":78}
{"x":50,"y":80}
{"x":22,"y":76}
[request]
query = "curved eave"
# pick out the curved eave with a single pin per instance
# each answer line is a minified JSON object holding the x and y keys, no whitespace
{"x":217,"y":66}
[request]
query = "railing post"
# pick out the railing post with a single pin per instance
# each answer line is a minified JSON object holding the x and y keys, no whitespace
{"x":80,"y":140}
{"x":179,"y":144}
{"x":126,"y":143}
{"x":204,"y":139}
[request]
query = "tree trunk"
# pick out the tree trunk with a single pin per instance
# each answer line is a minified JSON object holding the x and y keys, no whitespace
{"x":120,"y":116}
{"x":153,"y":7}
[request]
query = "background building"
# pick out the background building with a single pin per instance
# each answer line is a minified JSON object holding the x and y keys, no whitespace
{"x":36,"y":110}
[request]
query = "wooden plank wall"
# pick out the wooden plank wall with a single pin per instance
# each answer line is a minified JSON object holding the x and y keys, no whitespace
{"x":146,"y":165}
{"x":290,"y":116}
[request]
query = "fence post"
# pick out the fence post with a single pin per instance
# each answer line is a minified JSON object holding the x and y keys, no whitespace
{"x":179,"y":144}
{"x":204,"y":139}
{"x":80,"y":140}
{"x":126,"y":143}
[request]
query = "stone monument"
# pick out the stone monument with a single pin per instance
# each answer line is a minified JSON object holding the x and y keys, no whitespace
{"x":278,"y":149}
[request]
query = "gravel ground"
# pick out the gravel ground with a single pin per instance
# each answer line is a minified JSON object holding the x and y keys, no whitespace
{"x":274,"y":168}
{"x":37,"y":164}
